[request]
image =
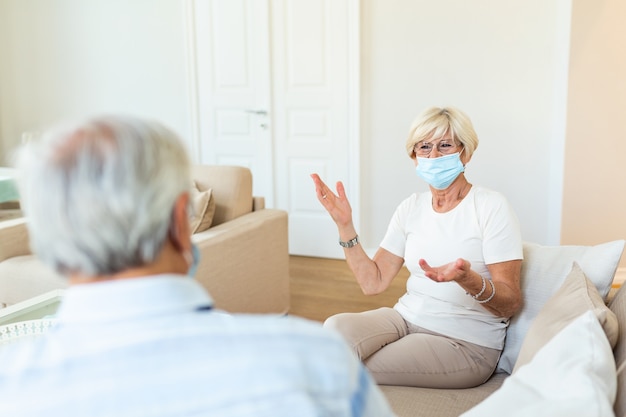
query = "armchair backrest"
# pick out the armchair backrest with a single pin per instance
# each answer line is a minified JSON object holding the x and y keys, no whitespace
{"x":231,"y":188}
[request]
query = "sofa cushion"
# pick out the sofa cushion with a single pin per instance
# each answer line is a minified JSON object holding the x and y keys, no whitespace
{"x":560,"y":380}
{"x":618,"y":306}
{"x":231,"y":188}
{"x":24,"y":277}
{"x":543,"y":271}
{"x":428,"y":402}
{"x":203,"y":209}
{"x":576,"y":296}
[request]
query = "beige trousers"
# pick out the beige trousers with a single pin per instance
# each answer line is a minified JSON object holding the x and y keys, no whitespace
{"x":399,"y":353}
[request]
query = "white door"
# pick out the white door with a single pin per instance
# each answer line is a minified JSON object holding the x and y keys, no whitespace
{"x":289,"y":122}
{"x":232,"y":57}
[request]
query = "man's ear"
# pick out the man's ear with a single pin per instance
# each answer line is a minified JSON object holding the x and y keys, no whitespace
{"x":179,"y":229}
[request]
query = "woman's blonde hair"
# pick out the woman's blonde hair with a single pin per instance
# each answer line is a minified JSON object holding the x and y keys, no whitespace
{"x":436,"y":122}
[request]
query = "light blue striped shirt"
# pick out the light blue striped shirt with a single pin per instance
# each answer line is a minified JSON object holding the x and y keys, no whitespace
{"x":151,"y":347}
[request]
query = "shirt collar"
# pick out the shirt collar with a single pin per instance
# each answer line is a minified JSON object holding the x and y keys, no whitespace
{"x":145,"y":296}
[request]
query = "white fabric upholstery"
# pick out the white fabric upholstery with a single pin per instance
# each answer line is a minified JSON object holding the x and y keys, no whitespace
{"x":543,"y":272}
{"x":560,"y":380}
{"x":576,"y":296}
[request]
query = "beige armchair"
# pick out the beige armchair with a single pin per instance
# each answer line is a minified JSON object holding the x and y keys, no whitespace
{"x":244,"y":261}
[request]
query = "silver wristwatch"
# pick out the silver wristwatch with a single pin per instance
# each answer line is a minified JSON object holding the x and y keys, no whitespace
{"x":350,"y":243}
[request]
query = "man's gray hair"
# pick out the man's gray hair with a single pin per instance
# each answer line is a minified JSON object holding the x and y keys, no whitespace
{"x":99,"y":195}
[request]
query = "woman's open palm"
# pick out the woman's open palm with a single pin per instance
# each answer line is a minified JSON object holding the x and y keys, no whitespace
{"x":337,"y":205}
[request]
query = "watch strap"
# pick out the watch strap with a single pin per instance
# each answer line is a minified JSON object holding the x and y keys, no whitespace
{"x":350,"y":243}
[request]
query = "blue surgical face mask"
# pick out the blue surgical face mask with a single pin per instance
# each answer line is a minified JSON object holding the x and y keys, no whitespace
{"x":440,"y":172}
{"x":195,"y":260}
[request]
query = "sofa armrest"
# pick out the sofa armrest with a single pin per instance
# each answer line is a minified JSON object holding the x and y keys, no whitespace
{"x":244,"y":263}
{"x":258,"y":203}
{"x":14,"y":238}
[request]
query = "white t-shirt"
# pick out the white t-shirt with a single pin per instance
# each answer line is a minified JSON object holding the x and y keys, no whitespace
{"x":482,"y":229}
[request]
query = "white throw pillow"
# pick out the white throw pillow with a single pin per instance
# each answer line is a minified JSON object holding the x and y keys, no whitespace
{"x":572,"y":375}
{"x":543,"y":272}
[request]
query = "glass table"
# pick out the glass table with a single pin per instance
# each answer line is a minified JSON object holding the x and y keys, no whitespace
{"x":29,"y":318}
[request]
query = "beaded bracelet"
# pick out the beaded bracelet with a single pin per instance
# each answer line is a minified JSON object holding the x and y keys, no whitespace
{"x":482,"y":290}
{"x":493,"y":293}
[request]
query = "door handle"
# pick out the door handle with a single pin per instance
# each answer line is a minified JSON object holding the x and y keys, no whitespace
{"x":257,"y":112}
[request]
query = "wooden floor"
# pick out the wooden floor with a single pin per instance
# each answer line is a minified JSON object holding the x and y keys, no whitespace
{"x":322,"y":287}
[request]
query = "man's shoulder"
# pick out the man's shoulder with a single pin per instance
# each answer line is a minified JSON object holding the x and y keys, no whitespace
{"x":284,"y":334}
{"x":275,"y":325}
{"x":276,"y":357}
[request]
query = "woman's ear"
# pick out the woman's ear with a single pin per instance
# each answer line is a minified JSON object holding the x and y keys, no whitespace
{"x":465,"y":158}
{"x":179,"y":229}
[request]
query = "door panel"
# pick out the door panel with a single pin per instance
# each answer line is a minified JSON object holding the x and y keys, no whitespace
{"x":287,"y":123}
{"x":232,"y":44}
{"x":310,"y":95}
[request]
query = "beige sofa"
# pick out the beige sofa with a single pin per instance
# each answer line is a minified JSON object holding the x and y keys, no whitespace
{"x":244,"y":260}
{"x":544,"y":273}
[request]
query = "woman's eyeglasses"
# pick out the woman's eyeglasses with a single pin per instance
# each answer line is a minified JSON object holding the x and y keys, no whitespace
{"x":444,"y":147}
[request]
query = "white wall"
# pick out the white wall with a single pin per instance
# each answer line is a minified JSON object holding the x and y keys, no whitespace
{"x":504,"y":62}
{"x":74,"y":58}
{"x":594,"y":190}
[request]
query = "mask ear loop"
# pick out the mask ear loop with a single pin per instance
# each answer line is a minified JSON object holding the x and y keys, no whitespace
{"x":188,"y":258}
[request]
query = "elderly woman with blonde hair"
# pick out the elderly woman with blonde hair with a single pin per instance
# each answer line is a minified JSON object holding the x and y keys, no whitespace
{"x":462,"y":246}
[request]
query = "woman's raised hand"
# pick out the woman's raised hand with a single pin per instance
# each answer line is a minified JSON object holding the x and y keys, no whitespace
{"x":337,"y":205}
